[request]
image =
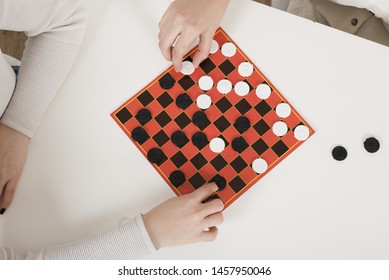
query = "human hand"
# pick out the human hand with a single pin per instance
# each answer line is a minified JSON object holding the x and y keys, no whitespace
{"x":189,"y":19}
{"x":185,"y":219}
{"x":13,"y":152}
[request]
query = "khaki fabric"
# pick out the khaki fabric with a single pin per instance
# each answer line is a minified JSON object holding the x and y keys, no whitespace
{"x":360,"y":22}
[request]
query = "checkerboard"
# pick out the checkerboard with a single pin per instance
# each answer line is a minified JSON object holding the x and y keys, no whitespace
{"x":201,"y":165}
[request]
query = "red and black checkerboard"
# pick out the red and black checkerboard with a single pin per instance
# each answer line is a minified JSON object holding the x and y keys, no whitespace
{"x":201,"y":165}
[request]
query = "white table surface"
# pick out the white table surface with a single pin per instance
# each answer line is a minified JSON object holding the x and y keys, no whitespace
{"x":83,"y":174}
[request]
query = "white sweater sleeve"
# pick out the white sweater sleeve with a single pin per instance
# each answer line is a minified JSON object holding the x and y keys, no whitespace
{"x":55,"y":29}
{"x":379,"y":7}
{"x":130,"y":240}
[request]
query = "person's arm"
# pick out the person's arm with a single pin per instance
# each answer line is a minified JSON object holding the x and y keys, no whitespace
{"x":55,"y":29}
{"x":184,"y":22}
{"x":177,"y":221}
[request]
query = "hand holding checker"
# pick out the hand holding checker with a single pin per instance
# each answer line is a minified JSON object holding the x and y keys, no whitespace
{"x":184,"y":22}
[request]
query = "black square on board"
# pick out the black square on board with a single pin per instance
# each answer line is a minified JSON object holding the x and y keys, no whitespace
{"x":250,"y":86}
{"x":261,"y":127}
{"x":179,"y":159}
{"x":182,"y":120}
{"x":222,"y":123}
{"x":260,"y":146}
{"x":237,"y":184}
{"x":197,"y":180}
{"x":223,"y":104}
{"x":238,"y":164}
{"x":263,"y":108}
{"x":280,"y":148}
{"x":186,"y":82}
{"x":207,"y":65}
{"x":243,"y":106}
{"x":123,"y":115}
{"x":165,"y":99}
{"x":219,"y":162}
{"x":163,"y":119}
{"x":161,"y":138}
{"x":227,"y":67}
{"x":145,"y":98}
{"x":198,"y":161}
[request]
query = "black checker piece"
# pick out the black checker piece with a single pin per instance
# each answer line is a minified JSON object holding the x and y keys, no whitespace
{"x":239,"y":144}
{"x":177,"y":178}
{"x":197,"y":181}
{"x":280,"y":148}
{"x":371,"y":145}
{"x":200,"y":120}
{"x":200,"y":140}
{"x":179,"y":138}
{"x":183,"y":101}
{"x":219,"y":181}
{"x":242,"y":124}
{"x":139,"y":135}
{"x":155,"y":155}
{"x":123,"y":115}
{"x":165,"y":99}
{"x":339,"y":153}
{"x":166,"y":81}
{"x":143,"y":116}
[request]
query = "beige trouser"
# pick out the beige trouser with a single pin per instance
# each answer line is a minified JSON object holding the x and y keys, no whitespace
{"x":360,"y":22}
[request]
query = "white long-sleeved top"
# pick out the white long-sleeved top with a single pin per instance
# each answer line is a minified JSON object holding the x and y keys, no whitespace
{"x":55,"y":29}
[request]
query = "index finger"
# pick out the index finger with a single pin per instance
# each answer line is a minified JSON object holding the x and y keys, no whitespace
{"x":181,"y":47}
{"x":204,"y":192}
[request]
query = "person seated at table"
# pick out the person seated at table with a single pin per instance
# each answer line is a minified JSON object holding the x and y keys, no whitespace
{"x":55,"y":29}
{"x":187,"y":20}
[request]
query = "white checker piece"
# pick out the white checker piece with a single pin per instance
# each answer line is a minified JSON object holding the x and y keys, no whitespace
{"x":301,"y":133}
{"x":229,"y":49}
{"x":214,"y":47}
{"x":242,"y":88}
{"x":280,"y":128}
{"x":217,"y":145}
{"x":205,"y":83}
{"x":283,"y":110}
{"x":246,"y":69}
{"x":187,"y":68}
{"x":259,"y":166}
{"x":204,"y":101}
{"x":224,"y":86}
{"x":263,"y":91}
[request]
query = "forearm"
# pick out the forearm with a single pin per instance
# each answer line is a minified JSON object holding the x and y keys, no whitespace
{"x":55,"y":34}
{"x":127,"y":241}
